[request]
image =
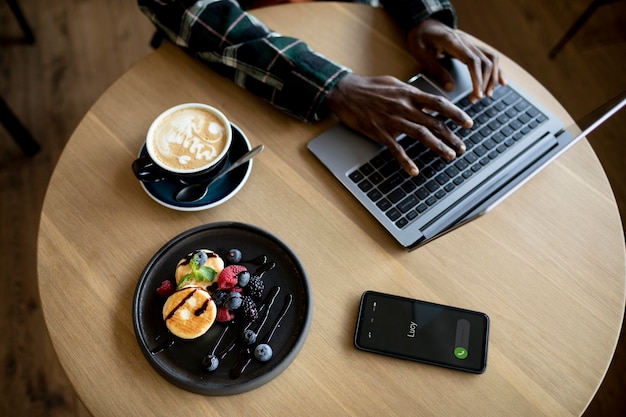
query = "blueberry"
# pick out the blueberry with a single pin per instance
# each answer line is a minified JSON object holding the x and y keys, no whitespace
{"x":263,"y":352}
{"x":219,"y":297}
{"x":210,"y":363}
{"x":199,"y":258}
{"x":243,"y":278}
{"x":233,"y":302}
{"x":234,"y":256}
{"x":248,"y":337}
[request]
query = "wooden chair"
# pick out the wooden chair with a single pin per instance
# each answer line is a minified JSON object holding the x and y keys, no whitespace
{"x":8,"y":119}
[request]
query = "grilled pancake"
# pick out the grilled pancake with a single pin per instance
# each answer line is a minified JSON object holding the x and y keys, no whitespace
{"x":189,"y":312}
{"x":214,"y":261}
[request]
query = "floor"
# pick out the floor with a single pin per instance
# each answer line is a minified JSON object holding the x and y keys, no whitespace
{"x":82,"y":46}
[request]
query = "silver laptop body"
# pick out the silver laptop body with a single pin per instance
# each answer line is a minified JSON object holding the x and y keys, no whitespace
{"x":510,"y":153}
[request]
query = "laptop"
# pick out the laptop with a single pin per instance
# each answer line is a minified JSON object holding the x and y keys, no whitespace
{"x":512,"y":139}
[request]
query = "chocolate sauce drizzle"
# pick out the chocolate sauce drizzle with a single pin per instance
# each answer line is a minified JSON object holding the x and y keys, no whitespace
{"x":182,"y":303}
{"x":245,"y":354}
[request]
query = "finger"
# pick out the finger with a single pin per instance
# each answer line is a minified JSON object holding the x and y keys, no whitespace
{"x":438,"y":137}
{"x":397,"y":151}
{"x":443,"y":106}
{"x":425,"y":136}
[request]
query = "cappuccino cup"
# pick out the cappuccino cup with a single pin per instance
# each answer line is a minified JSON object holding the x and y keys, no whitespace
{"x":189,"y":142}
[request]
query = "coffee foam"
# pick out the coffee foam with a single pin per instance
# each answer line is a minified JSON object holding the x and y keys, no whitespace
{"x":189,"y":139}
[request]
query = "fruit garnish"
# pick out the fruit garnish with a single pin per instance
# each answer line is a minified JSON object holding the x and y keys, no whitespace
{"x":199,"y":272}
{"x":210,"y":363}
{"x":263,"y":352}
{"x":234,"y":256}
{"x":255,"y":287}
{"x":166,"y":289}
{"x":228,"y":277}
{"x":248,"y":337}
{"x":224,"y":315}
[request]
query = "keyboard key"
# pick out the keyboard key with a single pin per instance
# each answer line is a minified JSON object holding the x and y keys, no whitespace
{"x":422,"y":193}
{"x":432,"y":186}
{"x":452,"y":171}
{"x":365,"y":186}
{"x":396,"y":195}
{"x":374,"y":195}
{"x":376,"y":178}
{"x":412,"y":215}
{"x":390,"y":183}
{"x":366,"y":169}
{"x":377,"y":162}
{"x":402,"y":223}
{"x":408,"y":203}
{"x":356,"y":176}
{"x":442,"y":178}
{"x":384,"y":204}
{"x":393,"y":214}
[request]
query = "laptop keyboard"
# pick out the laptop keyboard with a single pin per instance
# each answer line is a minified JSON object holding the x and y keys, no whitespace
{"x":499,"y":122}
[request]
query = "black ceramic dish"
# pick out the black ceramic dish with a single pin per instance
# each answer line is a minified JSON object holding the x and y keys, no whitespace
{"x":180,"y":362}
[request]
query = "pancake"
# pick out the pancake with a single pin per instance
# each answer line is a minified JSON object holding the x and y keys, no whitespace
{"x":213,"y":261}
{"x":189,"y":313}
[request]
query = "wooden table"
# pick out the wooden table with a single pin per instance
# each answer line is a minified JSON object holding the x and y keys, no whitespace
{"x":547,"y":266}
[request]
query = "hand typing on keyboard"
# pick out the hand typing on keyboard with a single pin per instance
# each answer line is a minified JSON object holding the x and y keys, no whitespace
{"x":431,"y":39}
{"x":384,"y":107}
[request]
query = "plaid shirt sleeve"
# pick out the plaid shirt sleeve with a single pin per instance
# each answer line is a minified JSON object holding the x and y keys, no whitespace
{"x":408,"y":13}
{"x":280,"y":69}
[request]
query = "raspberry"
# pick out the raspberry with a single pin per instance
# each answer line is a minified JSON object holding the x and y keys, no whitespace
{"x":228,"y":276}
{"x":224,"y":314}
{"x":255,"y":287}
{"x":166,"y":289}
{"x":249,"y":309}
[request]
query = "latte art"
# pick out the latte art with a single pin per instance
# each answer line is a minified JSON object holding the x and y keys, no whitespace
{"x":189,"y":139}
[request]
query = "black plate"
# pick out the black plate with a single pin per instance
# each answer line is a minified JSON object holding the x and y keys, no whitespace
{"x":181,"y":362}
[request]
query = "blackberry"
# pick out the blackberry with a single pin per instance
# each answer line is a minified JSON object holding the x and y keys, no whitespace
{"x":255,"y":287}
{"x":248,"y":309}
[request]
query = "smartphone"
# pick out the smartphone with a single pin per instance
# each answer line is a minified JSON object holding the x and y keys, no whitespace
{"x":422,"y":331}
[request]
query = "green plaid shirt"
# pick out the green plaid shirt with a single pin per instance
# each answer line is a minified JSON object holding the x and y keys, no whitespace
{"x":280,"y":69}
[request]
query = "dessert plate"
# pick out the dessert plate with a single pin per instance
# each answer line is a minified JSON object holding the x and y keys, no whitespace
{"x":180,"y":361}
{"x":163,"y":192}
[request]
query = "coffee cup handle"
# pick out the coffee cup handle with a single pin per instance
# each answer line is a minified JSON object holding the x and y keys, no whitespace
{"x":146,"y":170}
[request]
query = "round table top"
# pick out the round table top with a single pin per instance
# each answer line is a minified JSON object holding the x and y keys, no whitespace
{"x":547,"y":265}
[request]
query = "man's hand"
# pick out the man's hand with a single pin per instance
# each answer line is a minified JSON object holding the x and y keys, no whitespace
{"x":383,"y":107}
{"x":431,"y":39}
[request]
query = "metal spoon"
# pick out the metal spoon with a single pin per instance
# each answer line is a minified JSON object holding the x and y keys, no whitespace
{"x":196,"y":192}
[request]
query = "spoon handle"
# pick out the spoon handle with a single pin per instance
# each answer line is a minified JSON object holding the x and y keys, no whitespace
{"x":251,"y":154}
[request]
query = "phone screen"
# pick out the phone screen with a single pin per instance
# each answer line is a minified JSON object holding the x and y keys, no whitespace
{"x":423,"y":331}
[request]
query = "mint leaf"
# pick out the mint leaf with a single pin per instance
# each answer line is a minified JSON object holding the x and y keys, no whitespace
{"x":184,"y":280}
{"x":205,"y":273}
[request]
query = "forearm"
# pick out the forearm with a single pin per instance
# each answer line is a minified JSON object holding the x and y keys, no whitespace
{"x":279,"y":69}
